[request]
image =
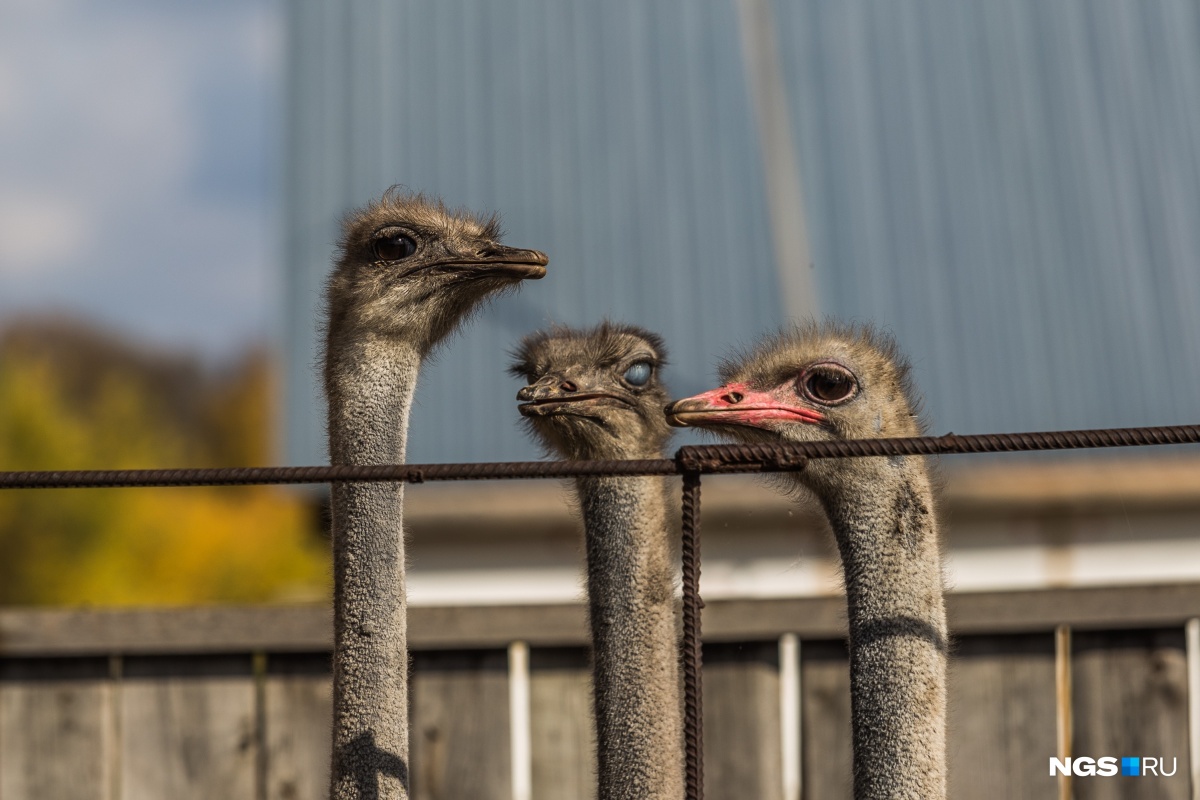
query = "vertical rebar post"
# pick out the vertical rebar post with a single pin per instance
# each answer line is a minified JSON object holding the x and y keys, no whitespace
{"x":691,"y":656}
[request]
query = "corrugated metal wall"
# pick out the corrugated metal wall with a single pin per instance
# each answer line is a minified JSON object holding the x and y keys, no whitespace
{"x":1014,"y":188}
{"x":615,"y":136}
{"x":1011,"y":186}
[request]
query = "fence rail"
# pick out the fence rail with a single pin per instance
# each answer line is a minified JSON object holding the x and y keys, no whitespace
{"x":70,"y":633}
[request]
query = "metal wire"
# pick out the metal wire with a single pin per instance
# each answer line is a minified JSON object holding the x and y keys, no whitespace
{"x":691,"y":653}
{"x":692,"y":458}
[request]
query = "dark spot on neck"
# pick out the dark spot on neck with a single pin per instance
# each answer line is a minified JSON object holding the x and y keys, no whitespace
{"x":911,"y":516}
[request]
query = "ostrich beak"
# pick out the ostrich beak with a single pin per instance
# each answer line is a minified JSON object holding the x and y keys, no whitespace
{"x":512,"y":262}
{"x":554,"y":394}
{"x":737,"y":404}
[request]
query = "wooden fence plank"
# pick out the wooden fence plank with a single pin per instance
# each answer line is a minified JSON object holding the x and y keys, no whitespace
{"x":54,"y":729}
{"x":460,"y":734}
{"x":188,"y":728}
{"x":742,"y":748}
{"x":1002,"y":723}
{"x":185,"y":724}
{"x":298,"y":715}
{"x":563,"y":729}
{"x":1130,"y":699}
{"x":825,"y":721}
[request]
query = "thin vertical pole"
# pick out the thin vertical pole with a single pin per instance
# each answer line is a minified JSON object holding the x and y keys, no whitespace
{"x":1193,"y":673}
{"x":1062,"y":686}
{"x":114,"y":748}
{"x":789,"y":715}
{"x":519,"y":721}
{"x":691,"y":656}
{"x":261,"y":766}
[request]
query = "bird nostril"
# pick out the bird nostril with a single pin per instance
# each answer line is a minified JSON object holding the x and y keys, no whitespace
{"x":568,"y":386}
{"x":733,"y":398}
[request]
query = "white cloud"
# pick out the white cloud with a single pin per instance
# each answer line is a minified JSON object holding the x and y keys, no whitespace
{"x":40,"y":233}
{"x":119,"y":123}
{"x":96,"y":112}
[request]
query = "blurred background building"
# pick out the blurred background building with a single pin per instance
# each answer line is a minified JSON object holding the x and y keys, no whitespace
{"x":1011,"y":188}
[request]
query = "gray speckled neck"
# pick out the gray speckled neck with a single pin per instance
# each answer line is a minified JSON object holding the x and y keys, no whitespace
{"x":631,"y":604}
{"x":368,"y":421}
{"x":886,"y":531}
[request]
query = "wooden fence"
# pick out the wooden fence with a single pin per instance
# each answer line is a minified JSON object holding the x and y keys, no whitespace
{"x":235,"y":702}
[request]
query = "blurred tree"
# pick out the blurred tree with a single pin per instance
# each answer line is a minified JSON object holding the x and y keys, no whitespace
{"x":72,"y":397}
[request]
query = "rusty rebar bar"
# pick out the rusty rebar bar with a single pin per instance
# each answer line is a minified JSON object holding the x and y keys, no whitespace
{"x":690,"y":647}
{"x":702,"y":458}
{"x":404,"y":473}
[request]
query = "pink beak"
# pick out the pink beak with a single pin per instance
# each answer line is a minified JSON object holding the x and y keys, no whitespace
{"x":736,"y":404}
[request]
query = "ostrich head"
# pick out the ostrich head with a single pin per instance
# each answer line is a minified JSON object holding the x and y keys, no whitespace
{"x":807,"y":383}
{"x":594,"y":393}
{"x":410,"y":268}
{"x":832,"y":382}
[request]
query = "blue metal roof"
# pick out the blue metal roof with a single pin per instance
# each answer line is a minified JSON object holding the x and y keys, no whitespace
{"x":1014,"y":189}
{"x":1011,"y":186}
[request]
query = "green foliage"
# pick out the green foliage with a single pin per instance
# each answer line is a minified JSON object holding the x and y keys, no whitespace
{"x":73,"y":398}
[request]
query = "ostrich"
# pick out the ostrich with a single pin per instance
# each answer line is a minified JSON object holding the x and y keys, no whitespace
{"x":408,"y":271}
{"x":823,"y":382}
{"x":596,"y":394}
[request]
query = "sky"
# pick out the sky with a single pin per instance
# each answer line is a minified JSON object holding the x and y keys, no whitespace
{"x":140,"y":166}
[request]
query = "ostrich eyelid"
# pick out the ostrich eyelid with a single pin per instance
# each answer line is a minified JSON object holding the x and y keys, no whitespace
{"x":834,"y":371}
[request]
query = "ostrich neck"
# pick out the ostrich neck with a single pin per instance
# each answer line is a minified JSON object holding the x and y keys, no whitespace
{"x":887,"y":534}
{"x":631,"y":603}
{"x":370,"y":386}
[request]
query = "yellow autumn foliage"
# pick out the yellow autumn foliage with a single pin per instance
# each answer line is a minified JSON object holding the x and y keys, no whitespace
{"x":71,"y":398}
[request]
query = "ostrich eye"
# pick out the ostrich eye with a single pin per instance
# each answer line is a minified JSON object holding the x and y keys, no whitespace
{"x":828,"y":384}
{"x":395,"y":247}
{"x":638,"y":374}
